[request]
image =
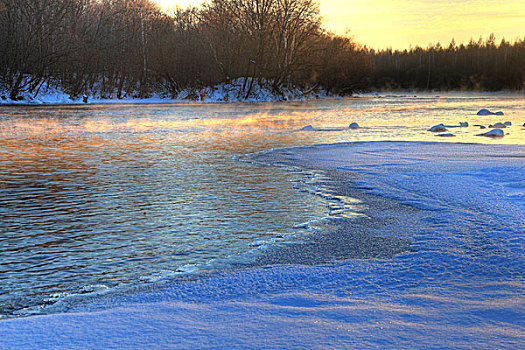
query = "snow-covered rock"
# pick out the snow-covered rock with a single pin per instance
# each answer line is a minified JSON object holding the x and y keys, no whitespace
{"x":484,"y":112}
{"x":322,"y":129}
{"x":487,"y":112}
{"x":438,"y":128}
{"x":498,"y":126}
{"x":493,"y":133}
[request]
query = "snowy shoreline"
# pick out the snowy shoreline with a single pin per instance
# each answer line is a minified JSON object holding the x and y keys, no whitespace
{"x":232,"y":92}
{"x":228,"y":93}
{"x":460,"y":205}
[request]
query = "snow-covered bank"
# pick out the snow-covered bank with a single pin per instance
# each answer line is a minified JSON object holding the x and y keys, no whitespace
{"x":235,"y":91}
{"x":461,"y":206}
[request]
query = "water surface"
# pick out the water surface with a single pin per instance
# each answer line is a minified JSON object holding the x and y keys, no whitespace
{"x":99,"y":196}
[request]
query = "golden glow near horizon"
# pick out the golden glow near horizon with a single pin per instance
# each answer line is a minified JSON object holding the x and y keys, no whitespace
{"x":170,"y":4}
{"x":403,"y":23}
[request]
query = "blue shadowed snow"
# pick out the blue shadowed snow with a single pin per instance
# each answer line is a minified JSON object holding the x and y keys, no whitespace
{"x":462,"y":206}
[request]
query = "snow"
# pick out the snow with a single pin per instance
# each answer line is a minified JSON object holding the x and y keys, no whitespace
{"x":312,"y":128}
{"x":498,"y":126}
{"x":438,"y":128}
{"x":493,"y":133}
{"x":487,"y":112}
{"x":233,"y":91}
{"x":460,"y":207}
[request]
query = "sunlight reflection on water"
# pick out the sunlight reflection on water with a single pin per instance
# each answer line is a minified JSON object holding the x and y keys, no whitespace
{"x":105,"y":195}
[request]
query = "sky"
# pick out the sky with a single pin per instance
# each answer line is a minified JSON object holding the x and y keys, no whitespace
{"x":399,"y":24}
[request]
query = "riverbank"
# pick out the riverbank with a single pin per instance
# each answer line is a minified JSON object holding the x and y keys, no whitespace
{"x":237,"y":90}
{"x":232,"y":92}
{"x":434,"y":259}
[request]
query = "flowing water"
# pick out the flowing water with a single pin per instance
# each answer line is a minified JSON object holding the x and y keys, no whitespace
{"x":97,"y":197}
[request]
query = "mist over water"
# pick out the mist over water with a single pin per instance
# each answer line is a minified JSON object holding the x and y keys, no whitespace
{"x":93,"y":197}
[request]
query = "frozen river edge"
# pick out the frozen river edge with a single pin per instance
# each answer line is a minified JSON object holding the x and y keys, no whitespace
{"x":455,"y":213}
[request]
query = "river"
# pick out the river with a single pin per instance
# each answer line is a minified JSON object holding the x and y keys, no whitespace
{"x":98,"y":197}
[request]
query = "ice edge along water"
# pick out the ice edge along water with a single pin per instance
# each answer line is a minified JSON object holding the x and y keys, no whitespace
{"x":462,"y":287}
{"x":306,"y":181}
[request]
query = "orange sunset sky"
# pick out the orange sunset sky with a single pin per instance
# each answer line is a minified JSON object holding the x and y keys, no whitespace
{"x":401,"y":23}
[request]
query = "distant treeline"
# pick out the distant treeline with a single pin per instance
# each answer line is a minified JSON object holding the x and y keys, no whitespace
{"x":111,"y":48}
{"x":481,"y":65}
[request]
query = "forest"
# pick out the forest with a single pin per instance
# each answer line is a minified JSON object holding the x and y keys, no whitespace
{"x":118,"y":48}
{"x":484,"y":65}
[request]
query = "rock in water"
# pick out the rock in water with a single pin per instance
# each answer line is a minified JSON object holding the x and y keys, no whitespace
{"x":484,"y":112}
{"x":487,"y":112}
{"x":446,"y":135}
{"x":438,"y":128}
{"x":507,"y":123}
{"x":354,"y":126}
{"x":308,"y":127}
{"x":463,"y":124}
{"x":493,"y":133}
{"x":498,"y":126}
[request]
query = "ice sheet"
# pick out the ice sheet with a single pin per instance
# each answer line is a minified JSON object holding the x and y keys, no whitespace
{"x":462,"y":286}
